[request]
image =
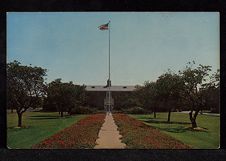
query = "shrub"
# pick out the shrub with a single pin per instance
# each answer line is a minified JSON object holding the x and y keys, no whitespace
{"x":135,"y":110}
{"x":82,"y":110}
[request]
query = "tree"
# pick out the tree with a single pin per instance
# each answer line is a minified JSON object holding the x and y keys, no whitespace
{"x":169,"y":87}
{"x":81,"y":95}
{"x":194,"y":80}
{"x":124,"y":100}
{"x":215,"y":103}
{"x":77,"y":95}
{"x":25,"y":87}
{"x":152,"y":99}
{"x":215,"y":79}
{"x":147,"y":96}
{"x":211,"y":92}
{"x":65,"y":96}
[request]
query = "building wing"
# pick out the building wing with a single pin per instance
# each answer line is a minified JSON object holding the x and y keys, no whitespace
{"x":112,"y":88}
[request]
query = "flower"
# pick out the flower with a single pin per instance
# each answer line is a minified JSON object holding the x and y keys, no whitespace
{"x":82,"y":134}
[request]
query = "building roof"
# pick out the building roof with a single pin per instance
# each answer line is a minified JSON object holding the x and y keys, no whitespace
{"x":112,"y":88}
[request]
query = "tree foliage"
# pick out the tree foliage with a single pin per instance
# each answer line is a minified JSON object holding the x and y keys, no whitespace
{"x":25,"y":87}
{"x":192,"y":89}
{"x":147,"y":96}
{"x":211,"y":92}
{"x":195,"y":81}
{"x":169,"y":88}
{"x":64,"y":96}
{"x":124,"y":100}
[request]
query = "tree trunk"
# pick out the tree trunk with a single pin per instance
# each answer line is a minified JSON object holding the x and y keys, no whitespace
{"x":169,"y":114}
{"x":11,"y":110}
{"x":193,"y":118}
{"x":154,"y":113}
{"x":19,"y":119}
{"x":194,"y":124}
{"x":69,"y":111}
{"x":61,"y":114}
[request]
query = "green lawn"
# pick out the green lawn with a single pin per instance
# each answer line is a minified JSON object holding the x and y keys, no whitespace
{"x":209,"y":139}
{"x":37,"y":126}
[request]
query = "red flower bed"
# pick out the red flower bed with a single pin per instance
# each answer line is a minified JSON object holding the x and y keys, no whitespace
{"x":135,"y":134}
{"x":81,"y":135}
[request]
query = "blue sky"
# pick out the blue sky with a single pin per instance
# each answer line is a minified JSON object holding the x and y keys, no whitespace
{"x":143,"y":45}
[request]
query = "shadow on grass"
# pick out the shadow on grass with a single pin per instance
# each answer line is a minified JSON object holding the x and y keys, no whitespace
{"x":46,"y":117}
{"x":179,"y":129}
{"x":166,"y":122}
{"x":16,"y":128}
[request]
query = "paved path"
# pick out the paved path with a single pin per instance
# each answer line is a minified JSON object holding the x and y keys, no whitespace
{"x":109,"y":137}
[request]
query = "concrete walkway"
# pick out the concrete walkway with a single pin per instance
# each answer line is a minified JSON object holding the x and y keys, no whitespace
{"x":109,"y":137}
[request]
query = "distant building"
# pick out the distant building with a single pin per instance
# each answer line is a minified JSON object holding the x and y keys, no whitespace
{"x":97,"y":94}
{"x":112,"y":88}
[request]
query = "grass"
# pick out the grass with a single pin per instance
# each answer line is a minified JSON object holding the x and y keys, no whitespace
{"x":178,"y":128}
{"x":36,"y":127}
{"x":137,"y":135}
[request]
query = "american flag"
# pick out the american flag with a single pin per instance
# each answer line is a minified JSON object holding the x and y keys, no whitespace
{"x":103,"y":27}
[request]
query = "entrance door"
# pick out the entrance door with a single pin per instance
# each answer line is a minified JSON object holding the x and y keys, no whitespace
{"x":108,"y":102}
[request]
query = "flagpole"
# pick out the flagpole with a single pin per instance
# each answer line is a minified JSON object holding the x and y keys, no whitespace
{"x":109,"y":49}
{"x":109,"y":58}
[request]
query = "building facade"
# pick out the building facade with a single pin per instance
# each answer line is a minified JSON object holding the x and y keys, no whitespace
{"x":96,"y":95}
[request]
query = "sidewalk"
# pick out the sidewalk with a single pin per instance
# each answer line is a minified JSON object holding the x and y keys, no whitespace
{"x":109,"y":137}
